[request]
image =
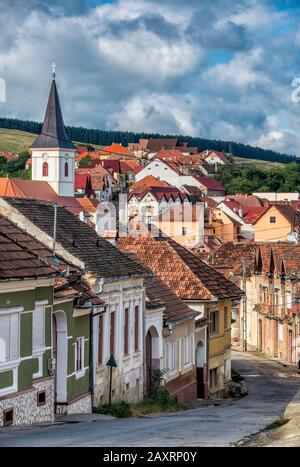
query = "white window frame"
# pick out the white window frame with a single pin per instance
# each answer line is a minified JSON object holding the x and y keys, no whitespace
{"x":171,"y":363}
{"x":8,"y":364}
{"x":39,"y":308}
{"x":187,"y":350}
{"x":79,"y":373}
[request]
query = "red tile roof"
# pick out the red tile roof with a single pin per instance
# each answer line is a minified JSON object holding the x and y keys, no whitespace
{"x":31,"y":189}
{"x":252,"y":214}
{"x":148,"y":181}
{"x":210,"y":183}
{"x":22,"y":256}
{"x":182,"y":271}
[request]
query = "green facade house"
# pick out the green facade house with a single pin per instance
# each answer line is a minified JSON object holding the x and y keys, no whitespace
{"x":45,"y":312}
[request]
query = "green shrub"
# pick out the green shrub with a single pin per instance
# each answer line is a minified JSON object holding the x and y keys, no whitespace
{"x":119,"y":410}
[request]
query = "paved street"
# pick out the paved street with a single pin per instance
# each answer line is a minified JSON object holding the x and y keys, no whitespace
{"x":271,"y":387}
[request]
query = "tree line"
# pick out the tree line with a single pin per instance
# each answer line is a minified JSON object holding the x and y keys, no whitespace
{"x":105,"y":138}
{"x":247,"y":179}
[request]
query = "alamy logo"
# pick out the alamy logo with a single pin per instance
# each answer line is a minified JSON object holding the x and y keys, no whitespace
{"x":2,"y":351}
{"x":2,"y":90}
{"x":296,"y":92}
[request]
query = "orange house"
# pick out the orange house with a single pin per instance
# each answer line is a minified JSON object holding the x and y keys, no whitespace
{"x":277,"y":223}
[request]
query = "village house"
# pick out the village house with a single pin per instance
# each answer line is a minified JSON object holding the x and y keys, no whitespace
{"x":184,"y":223}
{"x":236,"y":262}
{"x":267,"y":320}
{"x":280,"y":222}
{"x":148,"y":204}
{"x":44,"y":332}
{"x":205,"y":291}
{"x":170,"y":333}
{"x":170,"y":172}
{"x":246,"y":216}
{"x":116,"y":279}
{"x":215,"y":158}
{"x":95,"y":182}
{"x":275,"y":329}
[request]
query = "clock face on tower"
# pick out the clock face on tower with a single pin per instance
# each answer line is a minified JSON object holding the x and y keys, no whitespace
{"x":45,"y":156}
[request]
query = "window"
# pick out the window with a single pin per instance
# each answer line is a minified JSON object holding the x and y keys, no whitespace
{"x":136,"y":328}
{"x":38,"y":328}
{"x":79,"y":354}
{"x":45,"y":169}
{"x":226,"y":318}
{"x":8,"y":417}
{"x":172,"y":356}
{"x":9,"y":337}
{"x":66,"y":169}
{"x":184,"y":231}
{"x":272,"y":220}
{"x":100,"y":341}
{"x":112,"y":334}
{"x":213,"y":378}
{"x":214,"y":322}
{"x":41,"y":398}
{"x":126,"y":331}
{"x":186,"y":350}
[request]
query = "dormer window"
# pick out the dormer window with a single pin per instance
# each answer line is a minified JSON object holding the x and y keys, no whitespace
{"x":45,"y":169}
{"x":66,"y":169}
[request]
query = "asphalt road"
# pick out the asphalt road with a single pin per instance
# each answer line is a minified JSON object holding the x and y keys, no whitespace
{"x":271,"y":387}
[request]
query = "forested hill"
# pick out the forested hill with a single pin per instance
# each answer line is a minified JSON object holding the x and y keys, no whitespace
{"x":105,"y":138}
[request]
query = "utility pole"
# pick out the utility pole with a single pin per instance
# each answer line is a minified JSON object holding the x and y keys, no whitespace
{"x":244,"y":309}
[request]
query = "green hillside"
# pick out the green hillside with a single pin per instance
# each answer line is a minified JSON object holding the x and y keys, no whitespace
{"x":16,"y":141}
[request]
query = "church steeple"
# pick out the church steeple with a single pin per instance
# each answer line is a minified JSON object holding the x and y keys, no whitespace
{"x":53,"y":134}
{"x":53,"y":153}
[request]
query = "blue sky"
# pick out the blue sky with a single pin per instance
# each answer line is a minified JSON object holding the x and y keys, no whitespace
{"x":217,"y":69}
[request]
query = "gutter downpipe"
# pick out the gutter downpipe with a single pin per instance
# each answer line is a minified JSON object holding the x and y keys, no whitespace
{"x":91,"y":356}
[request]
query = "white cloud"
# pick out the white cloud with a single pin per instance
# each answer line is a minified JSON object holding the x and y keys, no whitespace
{"x":152,"y":112}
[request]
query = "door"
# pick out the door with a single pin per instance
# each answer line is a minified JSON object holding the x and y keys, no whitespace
{"x":200,"y":361}
{"x":60,"y":354}
{"x":148,"y":360}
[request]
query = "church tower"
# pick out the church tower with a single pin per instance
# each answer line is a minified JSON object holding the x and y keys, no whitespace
{"x":53,"y":153}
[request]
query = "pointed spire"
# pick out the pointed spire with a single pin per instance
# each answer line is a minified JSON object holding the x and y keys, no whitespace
{"x":53,"y":134}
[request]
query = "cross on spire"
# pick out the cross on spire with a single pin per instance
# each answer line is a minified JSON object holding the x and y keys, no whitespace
{"x":53,"y":66}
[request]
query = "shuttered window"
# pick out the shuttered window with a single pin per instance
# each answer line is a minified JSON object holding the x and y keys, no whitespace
{"x":9,"y":337}
{"x":136,"y":328}
{"x":38,"y":328}
{"x":112,"y":334}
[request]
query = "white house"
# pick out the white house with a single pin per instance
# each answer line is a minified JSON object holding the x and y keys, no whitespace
{"x":170,"y":172}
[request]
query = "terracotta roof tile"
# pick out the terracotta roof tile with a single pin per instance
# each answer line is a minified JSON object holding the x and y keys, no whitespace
{"x":185,"y":273}
{"x":101,"y":258}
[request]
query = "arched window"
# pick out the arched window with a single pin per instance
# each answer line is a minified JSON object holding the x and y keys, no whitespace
{"x":66,"y":169}
{"x":45,"y":169}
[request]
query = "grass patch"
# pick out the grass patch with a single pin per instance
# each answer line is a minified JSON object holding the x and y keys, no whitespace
{"x":276,"y":424}
{"x":159,"y":402}
{"x":119,"y":410}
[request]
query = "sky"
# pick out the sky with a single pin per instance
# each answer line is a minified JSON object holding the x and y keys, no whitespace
{"x":219,"y":69}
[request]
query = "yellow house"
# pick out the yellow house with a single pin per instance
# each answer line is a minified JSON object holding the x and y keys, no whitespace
{"x":277,"y":223}
{"x":183,"y":223}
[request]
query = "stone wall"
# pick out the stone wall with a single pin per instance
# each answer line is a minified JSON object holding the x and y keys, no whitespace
{"x":25,"y":406}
